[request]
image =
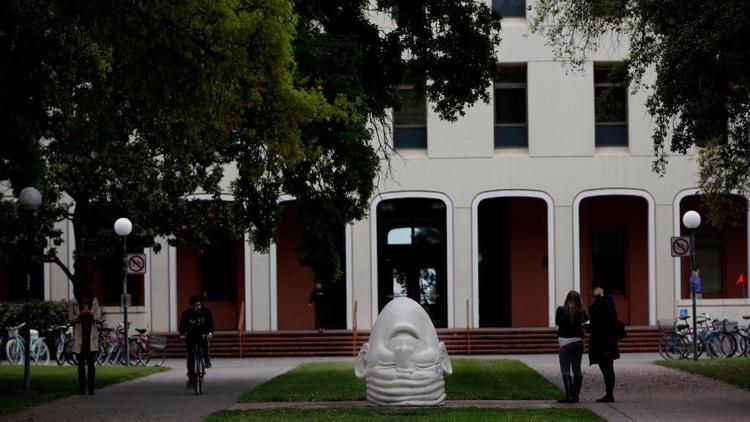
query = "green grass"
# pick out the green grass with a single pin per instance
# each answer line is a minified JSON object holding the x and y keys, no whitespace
{"x":734,"y":371}
{"x":411,"y":414}
{"x":52,"y":382}
{"x":471,"y":380}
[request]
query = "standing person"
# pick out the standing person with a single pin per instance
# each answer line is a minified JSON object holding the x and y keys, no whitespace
{"x":569,"y":319}
{"x":319,"y":300}
{"x":603,"y":343}
{"x":695,"y":282}
{"x":84,"y":313}
{"x":195,"y":323}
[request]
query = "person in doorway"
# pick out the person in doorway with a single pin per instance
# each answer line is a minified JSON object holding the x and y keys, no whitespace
{"x":603,"y":343}
{"x":695,"y":283}
{"x":84,"y":314}
{"x":319,"y":300}
{"x":196,"y":326}
{"x":570,"y":318}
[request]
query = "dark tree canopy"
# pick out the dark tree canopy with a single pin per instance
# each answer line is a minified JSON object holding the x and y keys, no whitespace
{"x":128,"y":108}
{"x":701,"y":58}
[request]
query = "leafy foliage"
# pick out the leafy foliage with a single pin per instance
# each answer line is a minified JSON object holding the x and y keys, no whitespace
{"x":129,"y":108}
{"x":42,"y":315}
{"x":701,"y":94}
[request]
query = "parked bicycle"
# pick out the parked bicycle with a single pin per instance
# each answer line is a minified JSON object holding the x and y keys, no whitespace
{"x":151,"y":349}
{"x":14,"y":348}
{"x":63,"y":335}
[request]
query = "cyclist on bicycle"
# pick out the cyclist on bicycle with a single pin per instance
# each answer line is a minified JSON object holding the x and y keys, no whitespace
{"x":196,"y":326}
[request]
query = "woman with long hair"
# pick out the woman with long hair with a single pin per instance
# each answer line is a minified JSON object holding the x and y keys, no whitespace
{"x":84,"y":315}
{"x":569,"y":319}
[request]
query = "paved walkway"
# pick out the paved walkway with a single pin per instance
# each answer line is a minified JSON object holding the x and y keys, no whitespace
{"x":644,"y":392}
{"x":648,"y":392}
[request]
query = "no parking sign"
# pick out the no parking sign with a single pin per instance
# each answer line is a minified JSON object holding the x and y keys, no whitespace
{"x":137,"y":263}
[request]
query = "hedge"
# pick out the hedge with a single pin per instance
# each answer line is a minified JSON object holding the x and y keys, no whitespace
{"x":43,"y":314}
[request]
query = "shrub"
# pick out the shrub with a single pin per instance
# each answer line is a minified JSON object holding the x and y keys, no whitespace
{"x":42,"y":314}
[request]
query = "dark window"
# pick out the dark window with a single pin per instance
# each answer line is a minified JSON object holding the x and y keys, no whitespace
{"x":608,"y":260}
{"x":218,"y":264}
{"x":611,"y":107}
{"x":511,"y":128}
{"x":410,"y":121}
{"x":708,"y":249}
{"x":510,"y":8}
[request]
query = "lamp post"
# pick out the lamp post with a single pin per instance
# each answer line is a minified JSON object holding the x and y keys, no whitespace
{"x":692,"y":220}
{"x":30,"y":200}
{"x":123,"y":227}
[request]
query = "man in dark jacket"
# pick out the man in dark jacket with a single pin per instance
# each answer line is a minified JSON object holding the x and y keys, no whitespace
{"x":196,"y":326}
{"x":603,"y":341}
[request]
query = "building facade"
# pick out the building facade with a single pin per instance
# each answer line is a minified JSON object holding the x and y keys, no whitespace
{"x":487,"y":222}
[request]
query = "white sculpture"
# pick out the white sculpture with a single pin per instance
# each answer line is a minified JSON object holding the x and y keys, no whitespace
{"x":403,"y":360}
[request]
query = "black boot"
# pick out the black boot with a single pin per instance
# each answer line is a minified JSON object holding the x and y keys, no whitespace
{"x":81,"y":376}
{"x":608,"y":371}
{"x":568,"y":383}
{"x":577,"y":382}
{"x":91,"y":379}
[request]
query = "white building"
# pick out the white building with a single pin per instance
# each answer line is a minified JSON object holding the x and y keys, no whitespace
{"x":488,"y":221}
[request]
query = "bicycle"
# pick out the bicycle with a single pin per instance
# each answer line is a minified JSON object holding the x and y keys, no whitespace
{"x":199,"y":368}
{"x":14,"y":348}
{"x":150,"y":347}
{"x":64,"y":344}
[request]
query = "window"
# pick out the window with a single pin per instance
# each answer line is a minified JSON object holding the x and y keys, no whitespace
{"x":611,"y":107}
{"x":410,"y":122}
{"x":608,"y":260}
{"x":218,"y":270}
{"x":511,"y":129}
{"x":510,"y":8}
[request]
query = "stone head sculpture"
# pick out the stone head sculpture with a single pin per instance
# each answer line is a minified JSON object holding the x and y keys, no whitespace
{"x":403,"y":360}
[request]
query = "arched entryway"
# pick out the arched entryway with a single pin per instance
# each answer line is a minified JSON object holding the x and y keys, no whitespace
{"x":294,"y":281}
{"x":614,"y":238}
{"x":511,"y":252}
{"x":217,"y":274}
{"x":411,"y":250}
{"x":720,"y":251}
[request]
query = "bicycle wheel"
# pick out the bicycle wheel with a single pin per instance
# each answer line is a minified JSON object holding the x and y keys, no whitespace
{"x":727,"y":344}
{"x":14,"y":352}
{"x":41,"y":353}
{"x":742,"y":344}
{"x":199,"y":372}
{"x":59,"y":351}
{"x":689,"y":348}
{"x":713,"y":343}
{"x":672,"y":346}
{"x":145,"y":354}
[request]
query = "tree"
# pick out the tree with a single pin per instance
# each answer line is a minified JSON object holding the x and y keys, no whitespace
{"x":357,"y":53}
{"x":131,"y":107}
{"x":701,"y":93}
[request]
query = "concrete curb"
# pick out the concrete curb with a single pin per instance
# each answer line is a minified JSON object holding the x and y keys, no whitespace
{"x":489,"y":404}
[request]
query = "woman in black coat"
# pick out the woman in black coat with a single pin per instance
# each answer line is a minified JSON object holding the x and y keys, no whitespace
{"x":603,"y":341}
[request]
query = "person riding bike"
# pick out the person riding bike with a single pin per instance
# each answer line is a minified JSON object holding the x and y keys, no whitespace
{"x":196,"y":326}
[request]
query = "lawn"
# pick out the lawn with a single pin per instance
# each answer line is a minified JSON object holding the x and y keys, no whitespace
{"x":52,"y":382}
{"x":734,"y":371}
{"x":411,"y":414}
{"x":472,"y":379}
